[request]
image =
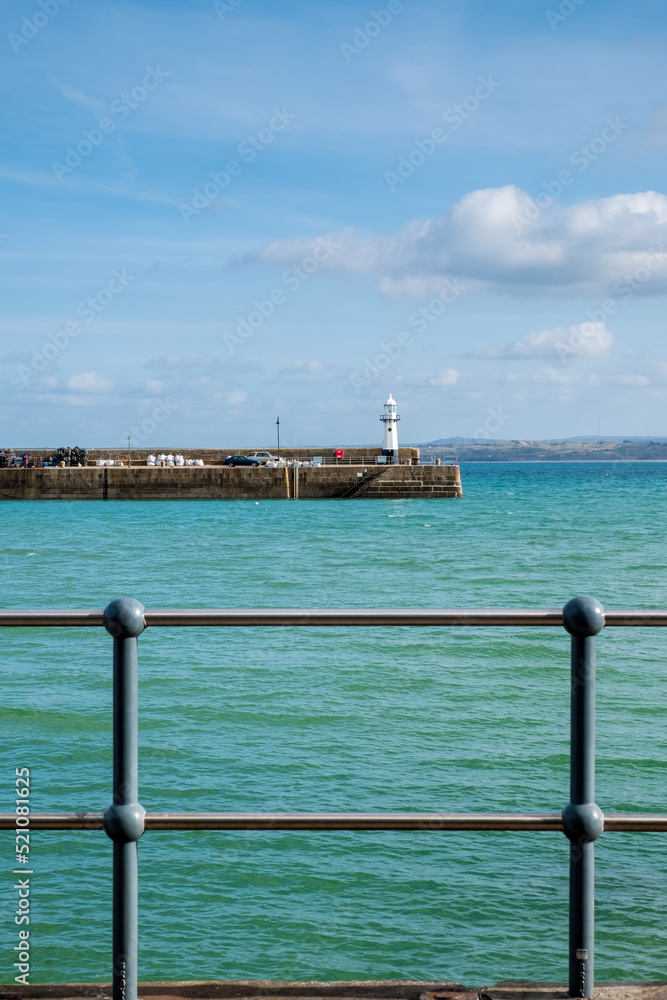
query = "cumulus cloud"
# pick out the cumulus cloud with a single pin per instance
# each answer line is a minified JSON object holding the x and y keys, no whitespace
{"x":446,"y":378}
{"x":585,"y":340}
{"x":491,"y":238}
{"x":89,"y":383}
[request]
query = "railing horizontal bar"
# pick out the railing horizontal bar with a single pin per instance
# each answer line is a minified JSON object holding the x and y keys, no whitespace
{"x":635,"y":618}
{"x":635,"y":822}
{"x":355,"y":617}
{"x":55,"y":821}
{"x":352,"y":821}
{"x":624,"y":822}
{"x":156,"y":617}
{"x":41,"y":617}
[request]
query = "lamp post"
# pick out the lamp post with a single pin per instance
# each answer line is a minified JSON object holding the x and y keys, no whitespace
{"x":278,"y":430}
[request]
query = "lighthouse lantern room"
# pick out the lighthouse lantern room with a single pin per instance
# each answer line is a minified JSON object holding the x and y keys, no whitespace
{"x":390,"y":439}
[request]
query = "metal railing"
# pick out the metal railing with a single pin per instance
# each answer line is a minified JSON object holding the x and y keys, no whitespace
{"x":582,"y":820}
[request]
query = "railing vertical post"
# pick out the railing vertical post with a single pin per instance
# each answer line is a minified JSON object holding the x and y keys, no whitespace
{"x":124,"y":819}
{"x":583,"y":618}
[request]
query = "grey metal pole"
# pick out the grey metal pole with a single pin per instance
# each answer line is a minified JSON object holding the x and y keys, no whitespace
{"x":124,"y":819}
{"x":583,"y":822}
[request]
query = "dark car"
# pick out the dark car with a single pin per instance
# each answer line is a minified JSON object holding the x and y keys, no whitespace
{"x":233,"y":460}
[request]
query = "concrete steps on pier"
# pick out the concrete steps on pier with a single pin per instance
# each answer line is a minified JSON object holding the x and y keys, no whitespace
{"x":389,"y":488}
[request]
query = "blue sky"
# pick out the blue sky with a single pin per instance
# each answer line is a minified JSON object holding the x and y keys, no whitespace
{"x":215,"y":213}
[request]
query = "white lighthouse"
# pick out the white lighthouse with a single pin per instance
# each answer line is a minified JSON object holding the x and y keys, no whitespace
{"x":390,"y":438}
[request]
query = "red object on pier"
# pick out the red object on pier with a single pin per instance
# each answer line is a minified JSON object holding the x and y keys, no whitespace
{"x":340,"y":453}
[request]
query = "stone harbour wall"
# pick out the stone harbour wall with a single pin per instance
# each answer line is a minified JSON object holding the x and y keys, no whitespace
{"x":224,"y":483}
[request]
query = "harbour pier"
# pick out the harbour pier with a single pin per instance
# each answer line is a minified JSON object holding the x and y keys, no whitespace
{"x":357,"y":476}
{"x":386,"y":473}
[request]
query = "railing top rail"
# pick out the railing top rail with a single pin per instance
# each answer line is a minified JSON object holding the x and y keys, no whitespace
{"x":156,"y":617}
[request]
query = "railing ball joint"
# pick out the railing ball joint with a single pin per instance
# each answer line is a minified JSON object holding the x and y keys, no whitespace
{"x":583,"y":616}
{"x":124,"y":824}
{"x":582,"y":824}
{"x":124,"y":618}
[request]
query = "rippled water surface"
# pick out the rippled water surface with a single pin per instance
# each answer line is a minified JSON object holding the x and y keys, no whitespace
{"x":343,"y":719}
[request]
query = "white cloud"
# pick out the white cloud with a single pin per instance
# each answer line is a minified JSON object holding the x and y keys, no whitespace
{"x":236,"y":398}
{"x":90,"y":383}
{"x":446,"y":378}
{"x":487,"y":239}
{"x":586,"y":340}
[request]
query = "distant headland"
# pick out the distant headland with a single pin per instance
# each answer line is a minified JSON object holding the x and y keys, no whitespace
{"x":600,"y":449}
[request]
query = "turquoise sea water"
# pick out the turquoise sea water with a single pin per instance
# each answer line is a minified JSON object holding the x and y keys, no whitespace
{"x":342,"y":719}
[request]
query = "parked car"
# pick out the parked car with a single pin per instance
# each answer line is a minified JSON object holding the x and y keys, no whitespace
{"x":262,"y":456}
{"x":234,"y":460}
